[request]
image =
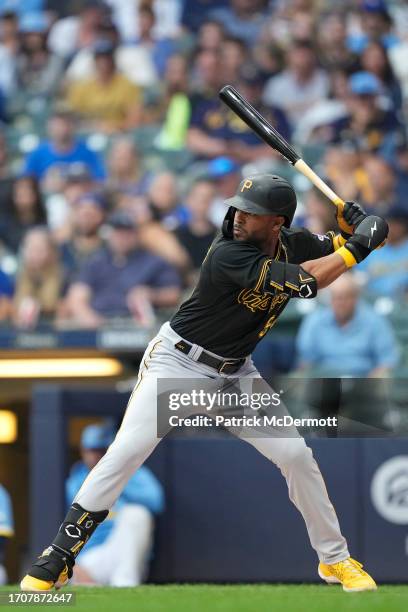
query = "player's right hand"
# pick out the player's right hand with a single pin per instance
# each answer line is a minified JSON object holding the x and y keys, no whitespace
{"x":370,"y":234}
{"x":348,"y":217}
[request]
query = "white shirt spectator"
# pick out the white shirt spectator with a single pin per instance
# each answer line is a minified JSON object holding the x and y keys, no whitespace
{"x":134,"y":61}
{"x":294,"y":97}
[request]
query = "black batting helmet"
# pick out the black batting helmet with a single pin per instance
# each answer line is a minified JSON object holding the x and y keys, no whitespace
{"x":262,"y":194}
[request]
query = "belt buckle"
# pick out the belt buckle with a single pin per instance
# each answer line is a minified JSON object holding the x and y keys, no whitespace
{"x":226,"y":363}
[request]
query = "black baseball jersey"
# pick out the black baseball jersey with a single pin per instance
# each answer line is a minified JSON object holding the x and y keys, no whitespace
{"x":242,"y":291}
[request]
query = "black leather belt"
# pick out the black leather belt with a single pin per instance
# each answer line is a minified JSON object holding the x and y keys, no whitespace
{"x":223,"y":366}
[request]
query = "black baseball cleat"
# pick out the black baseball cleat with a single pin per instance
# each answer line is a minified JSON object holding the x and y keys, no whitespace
{"x":52,"y":570}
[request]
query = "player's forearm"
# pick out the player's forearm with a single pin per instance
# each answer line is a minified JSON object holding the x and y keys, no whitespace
{"x":326,"y":269}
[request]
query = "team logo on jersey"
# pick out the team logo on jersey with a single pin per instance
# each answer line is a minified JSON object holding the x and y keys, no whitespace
{"x":247,"y":184}
{"x":254,"y":300}
{"x":322,"y":237}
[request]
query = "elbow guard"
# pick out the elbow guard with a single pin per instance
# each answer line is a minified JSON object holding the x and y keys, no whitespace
{"x":290,"y":279}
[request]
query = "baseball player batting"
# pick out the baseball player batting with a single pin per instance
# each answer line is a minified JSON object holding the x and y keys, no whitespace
{"x":253,"y":268}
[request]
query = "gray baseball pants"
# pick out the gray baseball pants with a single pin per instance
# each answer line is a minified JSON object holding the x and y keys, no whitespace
{"x":137,"y":438}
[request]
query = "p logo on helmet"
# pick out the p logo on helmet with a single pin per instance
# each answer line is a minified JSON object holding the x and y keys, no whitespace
{"x":246,"y":185}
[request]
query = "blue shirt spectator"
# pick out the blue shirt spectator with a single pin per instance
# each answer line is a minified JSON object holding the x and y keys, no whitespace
{"x":110,"y":283}
{"x":47,"y":155}
{"x":143,"y":488}
{"x":62,"y":150}
{"x":123,"y":279}
{"x":348,"y":339}
{"x":381,"y":132}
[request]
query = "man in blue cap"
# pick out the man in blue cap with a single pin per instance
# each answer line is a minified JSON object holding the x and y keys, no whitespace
{"x":120,"y":553}
{"x":368,"y":126}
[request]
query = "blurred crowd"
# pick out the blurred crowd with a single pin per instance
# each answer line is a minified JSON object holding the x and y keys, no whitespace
{"x":116,"y":153}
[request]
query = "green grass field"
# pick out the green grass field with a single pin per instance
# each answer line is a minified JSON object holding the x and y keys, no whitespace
{"x":232,"y":598}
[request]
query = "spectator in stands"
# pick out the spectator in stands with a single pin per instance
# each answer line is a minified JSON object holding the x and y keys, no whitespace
{"x":250,"y":83}
{"x":108,"y":101}
{"x":89,"y":213}
{"x":348,"y":338}
{"x":242,"y":18}
{"x":297,"y":88}
{"x":268,"y":59}
{"x":367,"y":125}
{"x":233,"y":57}
{"x":217,"y":132}
{"x":333,"y":51}
{"x":226,"y":175}
{"x":51,"y":160}
{"x":198,"y":233}
{"x":210,"y":35}
{"x":386,"y":269}
{"x":21,"y":212}
{"x":169,"y":104}
{"x":376,"y":25}
{"x":71,"y":34}
{"x":168,"y":16}
{"x":122,"y":280}
{"x":133,"y":61}
{"x":9,"y":47}
{"x":319,"y":213}
{"x":6,"y":295}
{"x":76,"y":181}
{"x":381,"y":187}
{"x":120,"y":552}
{"x":343,"y":168}
{"x":164,"y":201}
{"x":158,"y":48}
{"x":292,"y":20}
{"x":9,"y":31}
{"x":38,"y":71}
{"x":125,"y":171}
{"x":40,"y":280}
{"x":6,"y":529}
{"x":374,"y":59}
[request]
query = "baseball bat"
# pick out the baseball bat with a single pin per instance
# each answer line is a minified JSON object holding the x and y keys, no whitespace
{"x":241,"y":107}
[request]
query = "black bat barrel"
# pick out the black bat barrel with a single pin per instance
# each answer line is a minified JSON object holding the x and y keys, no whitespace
{"x":241,"y":107}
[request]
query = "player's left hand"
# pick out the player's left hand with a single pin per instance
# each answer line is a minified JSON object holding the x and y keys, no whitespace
{"x":348,"y":217}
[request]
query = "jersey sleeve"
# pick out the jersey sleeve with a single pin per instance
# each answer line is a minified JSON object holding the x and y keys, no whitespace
{"x":242,"y":264}
{"x":318,"y":245}
{"x":239,"y":264}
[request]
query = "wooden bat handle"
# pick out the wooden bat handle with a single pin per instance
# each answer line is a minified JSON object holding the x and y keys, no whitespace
{"x":302,"y":166}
